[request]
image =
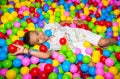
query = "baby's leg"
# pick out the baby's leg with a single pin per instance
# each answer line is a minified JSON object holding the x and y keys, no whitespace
{"x":78,"y":22}
{"x":106,"y":41}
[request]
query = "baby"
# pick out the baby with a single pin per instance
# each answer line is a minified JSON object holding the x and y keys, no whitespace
{"x":75,"y":38}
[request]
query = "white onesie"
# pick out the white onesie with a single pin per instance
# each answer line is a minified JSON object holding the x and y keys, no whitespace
{"x":75,"y":37}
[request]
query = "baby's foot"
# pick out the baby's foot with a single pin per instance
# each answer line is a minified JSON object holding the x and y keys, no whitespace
{"x":78,"y":22}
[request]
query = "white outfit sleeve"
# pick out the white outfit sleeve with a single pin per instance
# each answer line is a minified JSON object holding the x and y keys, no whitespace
{"x":92,"y":37}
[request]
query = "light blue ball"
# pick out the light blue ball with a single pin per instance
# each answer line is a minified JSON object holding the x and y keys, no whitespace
{"x":5,"y":49}
{"x":47,"y":44}
{"x":79,"y":57}
{"x":118,"y":43}
{"x":84,"y":67}
{"x":17,"y":62}
{"x":48,"y":32}
{"x":92,"y":71}
{"x":66,"y":66}
{"x":42,"y":60}
{"x":106,"y":53}
{"x":2,"y":42}
{"x":3,"y":55}
{"x":10,"y":10}
{"x":59,"y":76}
{"x":48,"y":61}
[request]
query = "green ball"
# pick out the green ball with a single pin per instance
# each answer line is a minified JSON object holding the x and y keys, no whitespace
{"x":24,"y":24}
{"x":8,"y":25}
{"x":117,"y":49}
{"x":89,"y":78}
{"x":110,"y":48}
{"x":69,"y":53}
{"x":57,"y":14}
{"x":16,"y":19}
{"x":46,"y":15}
{"x":64,"y":48}
{"x":32,"y":66}
{"x":102,"y":34}
{"x":8,"y":42}
{"x":7,"y":63}
{"x":106,"y":68}
{"x":91,"y":25}
{"x":117,"y":65}
{"x":5,"y":9}
{"x":49,"y":3}
{"x":94,"y":30}
{"x":57,"y":19}
{"x":37,"y":5}
{"x":60,"y":70}
{"x":86,"y":59}
{"x":3,"y":30}
{"x":1,"y":65}
{"x":15,"y":30}
{"x":66,"y":76}
{"x":78,"y":7}
{"x":39,"y":29}
{"x":26,"y":46}
{"x":72,"y":15}
{"x":113,"y":57}
{"x":11,"y":57}
{"x":53,"y":75}
{"x":77,"y":78}
{"x":16,"y":69}
{"x":19,"y":76}
{"x":72,"y":59}
{"x":11,"y":36}
{"x":1,"y":77}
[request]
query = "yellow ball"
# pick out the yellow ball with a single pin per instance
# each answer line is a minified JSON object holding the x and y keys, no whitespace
{"x":52,"y":17}
{"x":20,"y":33}
{"x":31,"y":25}
{"x":99,"y":77}
{"x":96,"y":53}
{"x":72,"y":7}
{"x":54,"y":5}
{"x":32,"y":0}
{"x":24,"y":70}
{"x":36,"y":47}
{"x":57,"y":9}
{"x":104,"y":28}
{"x":14,"y":14}
{"x":115,"y":34}
{"x":117,"y":77}
{"x":16,"y":1}
{"x":87,"y":44}
{"x":14,"y":38}
{"x":51,"y":21}
{"x":4,"y":19}
{"x":115,"y":28}
{"x":82,"y":5}
{"x":99,"y":28}
{"x":116,"y":12}
{"x":50,"y":12}
{"x":26,"y":13}
{"x":113,"y":70}
{"x":55,"y":63}
{"x":11,"y":74}
{"x":95,"y":59}
{"x":27,"y":3}
{"x":18,"y":5}
{"x":11,"y":17}
{"x":93,"y":20}
{"x":105,"y":3}
{"x":23,"y":4}
{"x":10,"y":6}
{"x":69,"y":73}
{"x":63,"y":18}
{"x":69,"y":19}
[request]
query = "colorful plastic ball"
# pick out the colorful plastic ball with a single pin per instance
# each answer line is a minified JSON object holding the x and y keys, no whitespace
{"x":77,"y":51}
{"x":99,"y":72}
{"x":11,"y":74}
{"x":35,"y":71}
{"x":3,"y":55}
{"x":66,"y":66}
{"x":48,"y":68}
{"x":9,"y":31}
{"x":7,"y":63}
{"x":55,"y":55}
{"x":66,"y":76}
{"x":27,"y":76}
{"x":99,"y":77}
{"x":2,"y":42}
{"x":56,"y":70}
{"x":73,"y":68}
{"x":1,"y":35}
{"x":84,"y":67}
{"x":24,"y":70}
{"x":64,"y":48}
{"x":12,"y":48}
{"x":8,"y":25}
{"x":48,"y":33}
{"x":40,"y":24}
{"x":109,"y":62}
{"x":20,"y":33}
{"x":86,"y":44}
{"x":60,"y":58}
{"x":117,"y":56}
{"x":53,"y":75}
{"x":19,"y":42}
{"x":43,"y":75}
{"x":102,"y":59}
{"x":79,"y":57}
{"x":62,"y":41}
{"x":17,"y":24}
{"x":35,"y":20}
{"x":46,"y":15}
{"x":34,"y":60}
{"x":109,"y":75}
{"x":42,"y":65}
{"x":72,"y":58}
{"x":25,"y":61}
{"x":3,"y":72}
{"x":86,"y":59}
{"x":17,"y":62}
{"x":76,"y":75}
{"x":113,"y":70}
{"x":92,"y":71}
{"x":100,"y":65}
{"x":48,"y":61}
{"x":1,"y":77}
{"x":32,"y":9}
{"x":43,"y":48}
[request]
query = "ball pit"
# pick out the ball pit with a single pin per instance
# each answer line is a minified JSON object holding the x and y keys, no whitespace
{"x":20,"y":16}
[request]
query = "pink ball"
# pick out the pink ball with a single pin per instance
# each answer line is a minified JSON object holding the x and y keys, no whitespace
{"x":34,"y":60}
{"x":77,"y":51}
{"x":76,"y":75}
{"x":27,"y":76}
{"x":83,"y":17}
{"x":99,"y":72}
{"x":73,"y":25}
{"x":55,"y":55}
{"x":109,"y":62}
{"x":23,"y":8}
{"x":111,"y":2}
{"x":100,"y":4}
{"x":99,"y":65}
{"x":9,"y":31}
{"x":42,"y":65}
{"x":75,"y":18}
{"x":115,"y":24}
{"x":73,"y":68}
{"x":3,"y":72}
{"x":98,"y":1}
{"x":66,"y":14}
{"x":20,"y":12}
{"x":17,"y":24}
{"x":20,"y":56}
{"x":109,"y":75}
{"x":60,"y":58}
{"x":88,"y":50}
{"x":26,"y":61}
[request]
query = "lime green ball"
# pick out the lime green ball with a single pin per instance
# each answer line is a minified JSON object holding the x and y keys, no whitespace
{"x":102,"y":34}
{"x":8,"y":42}
{"x":117,"y":49}
{"x":16,"y":19}
{"x":78,"y":7}
{"x":15,"y":30}
{"x":33,"y":65}
{"x":77,"y":78}
{"x":49,"y":3}
{"x":19,"y":76}
{"x":39,"y":29}
{"x":3,"y":30}
{"x":24,"y":24}
{"x":11,"y":57}
{"x":117,"y":65}
{"x":86,"y":59}
{"x":66,"y":76}
{"x":7,"y":63}
{"x":5,"y":9}
{"x":72,"y":15}
{"x":16,"y":69}
{"x":72,"y":59}
{"x":52,"y":75}
{"x":113,"y":57}
{"x":1,"y":64}
{"x":60,"y":70}
{"x":11,"y":36}
{"x":1,"y":77}
{"x":110,"y":48}
{"x":106,"y":68}
{"x":46,"y":15}
{"x":89,"y":78}
{"x":64,"y":48}
{"x":57,"y":14}
{"x":31,"y":5}
{"x":91,"y":25}
{"x":69,"y":53}
{"x":8,"y":25}
{"x":94,"y":30}
{"x":57,"y":19}
{"x":37,"y":5}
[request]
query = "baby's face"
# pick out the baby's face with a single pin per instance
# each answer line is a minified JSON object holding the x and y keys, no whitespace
{"x":37,"y":37}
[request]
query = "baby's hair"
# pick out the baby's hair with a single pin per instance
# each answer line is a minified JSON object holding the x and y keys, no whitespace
{"x":26,"y":38}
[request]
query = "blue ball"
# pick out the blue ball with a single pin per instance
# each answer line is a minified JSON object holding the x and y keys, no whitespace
{"x":10,"y":10}
{"x":41,"y":17}
{"x":3,"y":55}
{"x":5,"y":49}
{"x":42,"y":60}
{"x":104,"y":11}
{"x":59,"y":76}
{"x":48,"y":61}
{"x":48,"y":32}
{"x":118,"y":43}
{"x":39,"y":10}
{"x":46,"y":7}
{"x":2,"y":42}
{"x":47,"y":44}
{"x":79,"y":57}
{"x":17,"y":62}
{"x":84,"y":67}
{"x":106,"y":53}
{"x":109,"y":8}
{"x":92,"y":71}
{"x":109,"y":29}
{"x":66,"y":66}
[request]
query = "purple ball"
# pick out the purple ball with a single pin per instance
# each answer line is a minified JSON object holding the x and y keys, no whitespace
{"x":3,"y":72}
{"x":55,"y":70}
{"x":40,"y":24}
{"x":35,"y":20}
{"x":109,"y":34}
{"x":118,"y":37}
{"x":0,"y":12}
{"x":12,"y":3}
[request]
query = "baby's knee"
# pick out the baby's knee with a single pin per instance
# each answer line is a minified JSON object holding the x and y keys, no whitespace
{"x":103,"y":42}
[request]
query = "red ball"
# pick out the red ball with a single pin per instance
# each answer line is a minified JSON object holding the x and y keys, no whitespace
{"x":95,"y":4}
{"x":90,"y":2}
{"x":85,"y":76}
{"x":88,"y":18}
{"x":100,"y":50}
{"x":25,"y":30}
{"x":114,"y":7}
{"x":16,"y":9}
{"x":36,"y":14}
{"x":80,"y":72}
{"x":1,"y":35}
{"x":35,"y":71}
{"x":77,"y":15}
{"x":48,"y":68}
{"x":97,"y":15}
{"x":102,"y":23}
{"x":62,"y":41}
{"x":108,"y":24}
{"x":12,"y":48}
{"x":32,"y":9}
{"x":118,"y":16}
{"x":91,"y":12}
{"x":102,"y":59}
{"x":19,"y":42}
{"x":43,"y":48}
{"x":28,"y":20}
{"x":6,"y":36}
{"x":96,"y":22}
{"x":79,"y":64}
{"x":84,"y":26}
{"x":43,"y":75}
{"x":118,"y":56}
{"x":20,"y":16}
